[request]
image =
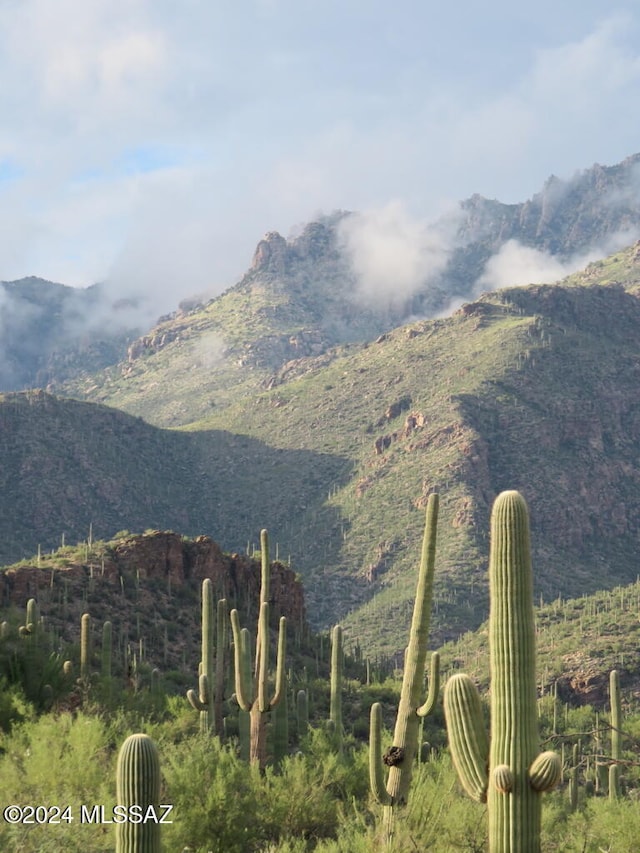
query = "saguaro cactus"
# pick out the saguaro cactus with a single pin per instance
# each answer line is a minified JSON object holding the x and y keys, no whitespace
{"x":106,"y":649}
{"x":516,"y":772}
{"x":616,"y":734}
{"x":253,"y":697}
{"x":209,"y":699}
{"x":138,"y":784}
{"x":302,"y":713}
{"x":400,"y":757}
{"x":32,"y":620}
{"x":85,"y":647}
{"x":335,"y":700}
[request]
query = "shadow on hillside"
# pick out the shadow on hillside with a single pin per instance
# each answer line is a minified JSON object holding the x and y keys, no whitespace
{"x":241,"y":485}
{"x":68,"y":467}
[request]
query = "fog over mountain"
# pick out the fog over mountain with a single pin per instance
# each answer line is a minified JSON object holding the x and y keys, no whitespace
{"x":383,"y":261}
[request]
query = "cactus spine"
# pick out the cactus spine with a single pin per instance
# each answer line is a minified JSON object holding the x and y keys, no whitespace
{"x":252,"y":695}
{"x":138,"y":784}
{"x":401,"y":756}
{"x":516,"y":773}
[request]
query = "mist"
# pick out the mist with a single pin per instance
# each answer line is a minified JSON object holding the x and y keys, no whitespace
{"x":393,"y":255}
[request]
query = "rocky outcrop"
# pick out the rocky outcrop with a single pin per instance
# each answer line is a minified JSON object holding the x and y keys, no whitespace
{"x":271,"y":254}
{"x":140,"y":577}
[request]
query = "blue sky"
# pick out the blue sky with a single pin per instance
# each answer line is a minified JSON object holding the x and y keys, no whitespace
{"x":152,"y":143}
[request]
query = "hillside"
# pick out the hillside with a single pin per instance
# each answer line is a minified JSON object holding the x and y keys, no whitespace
{"x":149,"y":587}
{"x":534,"y":388}
{"x":580,"y":641}
{"x":531,"y":388}
{"x":303,"y":296}
{"x":52,"y":333}
{"x":69,"y":466}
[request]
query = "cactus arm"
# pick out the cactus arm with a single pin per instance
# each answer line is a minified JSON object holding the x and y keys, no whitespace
{"x":434,"y":687}
{"x":199,"y":700}
{"x":243,"y":690}
{"x":545,"y":772}
{"x":468,"y":739}
{"x":281,"y":681}
{"x":376,"y":769}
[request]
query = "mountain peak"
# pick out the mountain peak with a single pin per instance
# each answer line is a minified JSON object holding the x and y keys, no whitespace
{"x":270,"y":254}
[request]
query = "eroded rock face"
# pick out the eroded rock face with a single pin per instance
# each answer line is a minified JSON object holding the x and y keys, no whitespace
{"x":271,"y":254}
{"x":151,"y":579}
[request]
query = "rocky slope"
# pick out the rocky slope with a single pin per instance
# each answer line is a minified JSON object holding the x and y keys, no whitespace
{"x":148,"y":586}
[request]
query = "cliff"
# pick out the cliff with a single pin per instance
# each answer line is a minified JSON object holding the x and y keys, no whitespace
{"x":148,"y":586}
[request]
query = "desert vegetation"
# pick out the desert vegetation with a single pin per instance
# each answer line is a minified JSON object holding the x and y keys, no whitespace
{"x":260,"y":762}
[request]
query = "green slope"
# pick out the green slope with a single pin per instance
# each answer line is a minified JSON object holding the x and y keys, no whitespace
{"x":68,"y":465}
{"x":534,"y":388}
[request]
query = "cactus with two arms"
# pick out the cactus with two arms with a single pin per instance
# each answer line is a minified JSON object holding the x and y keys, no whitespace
{"x":507,"y":770}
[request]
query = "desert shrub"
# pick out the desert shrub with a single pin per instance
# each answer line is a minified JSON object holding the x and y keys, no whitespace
{"x":58,"y":761}
{"x":215,"y":797}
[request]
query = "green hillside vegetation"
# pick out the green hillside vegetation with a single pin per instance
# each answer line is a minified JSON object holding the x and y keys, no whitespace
{"x":69,"y":466}
{"x":313,"y":798}
{"x":532,"y":388}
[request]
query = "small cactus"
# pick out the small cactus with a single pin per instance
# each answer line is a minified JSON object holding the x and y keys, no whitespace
{"x":138,"y":784}
{"x":85,"y":647}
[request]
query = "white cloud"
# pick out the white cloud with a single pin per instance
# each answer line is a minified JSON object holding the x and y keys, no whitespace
{"x":392,"y":254}
{"x":515,"y":265}
{"x":266,"y":127}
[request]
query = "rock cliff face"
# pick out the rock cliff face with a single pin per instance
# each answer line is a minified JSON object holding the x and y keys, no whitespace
{"x":143,"y":581}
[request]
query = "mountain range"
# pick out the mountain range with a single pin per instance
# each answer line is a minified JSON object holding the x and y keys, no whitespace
{"x":317,"y":399}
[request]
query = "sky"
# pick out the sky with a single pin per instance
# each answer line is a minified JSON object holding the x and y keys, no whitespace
{"x":151,"y":143}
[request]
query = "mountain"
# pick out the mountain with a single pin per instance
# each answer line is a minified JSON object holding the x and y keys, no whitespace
{"x":303,"y":297}
{"x":51,"y":332}
{"x":343,"y":278}
{"x":68,"y":467}
{"x":287,"y":402}
{"x":534,"y":388}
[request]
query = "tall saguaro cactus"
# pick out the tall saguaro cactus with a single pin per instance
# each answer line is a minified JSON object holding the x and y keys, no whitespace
{"x":400,"y":757}
{"x":253,"y":694}
{"x":138,"y":784}
{"x":335,"y":701}
{"x":516,"y":772}
{"x":208,"y":699}
{"x":616,"y":734}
